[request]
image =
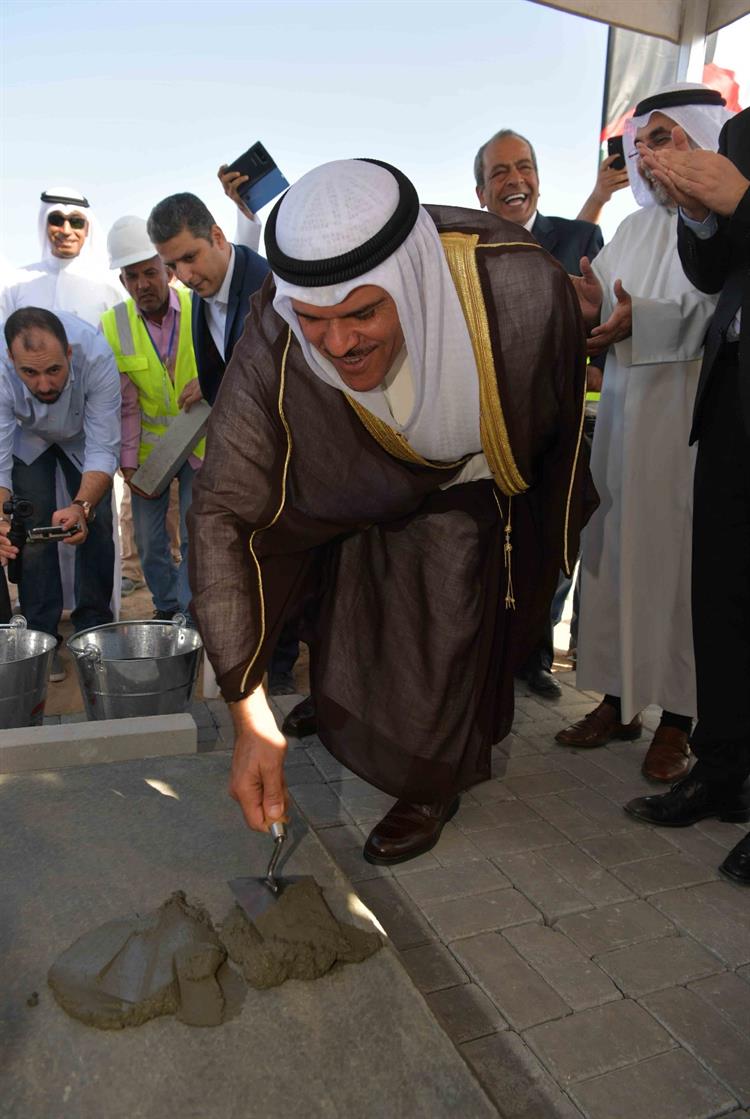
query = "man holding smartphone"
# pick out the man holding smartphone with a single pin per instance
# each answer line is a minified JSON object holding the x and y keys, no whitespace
{"x":60,"y":405}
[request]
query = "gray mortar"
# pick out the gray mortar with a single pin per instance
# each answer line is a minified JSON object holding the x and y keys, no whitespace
{"x":172,"y":961}
{"x":297,"y":938}
{"x":123,"y":973}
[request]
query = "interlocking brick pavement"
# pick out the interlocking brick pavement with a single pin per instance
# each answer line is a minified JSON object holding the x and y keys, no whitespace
{"x":585,"y":964}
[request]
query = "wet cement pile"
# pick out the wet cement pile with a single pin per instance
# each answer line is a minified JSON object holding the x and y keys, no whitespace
{"x":173,"y":961}
{"x":168,"y":961}
{"x":297,"y":938}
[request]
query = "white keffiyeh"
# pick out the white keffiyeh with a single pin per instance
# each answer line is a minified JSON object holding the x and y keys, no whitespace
{"x":336,"y":208}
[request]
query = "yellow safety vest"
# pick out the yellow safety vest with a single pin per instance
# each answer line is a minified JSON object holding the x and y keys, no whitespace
{"x":136,"y":356}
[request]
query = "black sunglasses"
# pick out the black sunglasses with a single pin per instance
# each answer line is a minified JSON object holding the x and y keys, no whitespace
{"x":59,"y":221}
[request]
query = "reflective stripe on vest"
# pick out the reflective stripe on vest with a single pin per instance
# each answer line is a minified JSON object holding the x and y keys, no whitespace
{"x":124,"y":330}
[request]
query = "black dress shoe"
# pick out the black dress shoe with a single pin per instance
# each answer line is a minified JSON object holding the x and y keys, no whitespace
{"x":407,"y":830}
{"x":736,"y":865}
{"x":687,"y":802}
{"x":301,"y":720}
{"x":541,"y":681}
{"x":283,"y":684}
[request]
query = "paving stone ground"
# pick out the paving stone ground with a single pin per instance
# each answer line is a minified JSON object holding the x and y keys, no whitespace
{"x":584,"y":964}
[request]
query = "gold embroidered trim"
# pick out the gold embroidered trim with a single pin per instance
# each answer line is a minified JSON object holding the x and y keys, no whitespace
{"x":282,"y":382}
{"x":393,"y":442}
{"x":566,"y":562}
{"x":502,"y":244}
{"x":460,"y":250}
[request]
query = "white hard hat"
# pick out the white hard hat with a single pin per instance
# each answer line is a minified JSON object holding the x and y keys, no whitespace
{"x":128,"y":242}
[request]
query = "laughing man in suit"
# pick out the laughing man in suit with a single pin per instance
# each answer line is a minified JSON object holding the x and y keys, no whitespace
{"x":507,"y":184}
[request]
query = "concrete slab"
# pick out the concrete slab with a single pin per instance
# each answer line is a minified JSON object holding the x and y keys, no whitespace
{"x":110,"y":740}
{"x":173,"y":449}
{"x":81,"y":846}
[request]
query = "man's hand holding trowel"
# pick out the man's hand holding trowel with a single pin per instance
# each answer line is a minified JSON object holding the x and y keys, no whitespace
{"x":257,"y":780}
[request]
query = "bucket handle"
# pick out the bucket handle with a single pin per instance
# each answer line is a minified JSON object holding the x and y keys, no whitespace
{"x":180,"y":621}
{"x":16,"y":622}
{"x":91,"y":653}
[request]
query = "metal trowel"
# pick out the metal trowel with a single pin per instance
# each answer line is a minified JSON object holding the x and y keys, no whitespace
{"x":256,"y":895}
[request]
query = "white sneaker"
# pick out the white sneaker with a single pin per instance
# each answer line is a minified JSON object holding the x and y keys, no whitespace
{"x":58,"y":670}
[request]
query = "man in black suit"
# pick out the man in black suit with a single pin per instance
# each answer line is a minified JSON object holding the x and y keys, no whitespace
{"x":713,"y":192}
{"x":507,"y":184}
{"x":221,"y":275}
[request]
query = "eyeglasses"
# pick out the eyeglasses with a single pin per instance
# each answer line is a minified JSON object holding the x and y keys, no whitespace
{"x":654,"y":144}
{"x":59,"y":220}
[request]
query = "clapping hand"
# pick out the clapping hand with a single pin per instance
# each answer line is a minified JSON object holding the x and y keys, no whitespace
{"x":589,"y":292}
{"x":698,"y":180}
{"x":618,"y":326}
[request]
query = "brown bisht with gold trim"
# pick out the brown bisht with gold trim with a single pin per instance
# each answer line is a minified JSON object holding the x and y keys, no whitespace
{"x":421,"y":601}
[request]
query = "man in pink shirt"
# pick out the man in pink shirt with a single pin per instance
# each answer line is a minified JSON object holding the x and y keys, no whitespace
{"x":151,"y":337}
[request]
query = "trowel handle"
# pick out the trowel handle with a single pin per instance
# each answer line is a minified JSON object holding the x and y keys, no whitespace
{"x":278,"y":831}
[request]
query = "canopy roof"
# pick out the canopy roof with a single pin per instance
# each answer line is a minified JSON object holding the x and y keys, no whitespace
{"x":663,"y":18}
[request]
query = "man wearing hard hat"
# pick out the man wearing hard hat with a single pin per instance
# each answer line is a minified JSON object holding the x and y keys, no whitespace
{"x":151,"y":337}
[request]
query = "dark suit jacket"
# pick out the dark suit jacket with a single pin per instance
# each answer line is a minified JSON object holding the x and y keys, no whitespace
{"x":567,"y":241}
{"x":250,"y":270}
{"x":722,"y":263}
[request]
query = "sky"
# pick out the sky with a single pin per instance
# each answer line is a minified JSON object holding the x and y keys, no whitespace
{"x":129,"y":102}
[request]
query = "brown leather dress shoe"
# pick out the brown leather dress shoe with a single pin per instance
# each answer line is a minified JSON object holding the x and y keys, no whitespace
{"x":301,"y":720}
{"x":406,"y":831}
{"x":598,"y":728}
{"x":668,"y":757}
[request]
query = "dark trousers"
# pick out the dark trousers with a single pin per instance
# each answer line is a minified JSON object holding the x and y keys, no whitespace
{"x":543,"y":655}
{"x":40,"y":588}
{"x":286,"y":652}
{"x":721,"y":581}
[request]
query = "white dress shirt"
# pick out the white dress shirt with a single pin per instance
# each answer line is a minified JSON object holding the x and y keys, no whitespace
{"x":218,"y":305}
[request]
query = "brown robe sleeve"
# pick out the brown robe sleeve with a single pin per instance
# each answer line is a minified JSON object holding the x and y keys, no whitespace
{"x":238,"y":491}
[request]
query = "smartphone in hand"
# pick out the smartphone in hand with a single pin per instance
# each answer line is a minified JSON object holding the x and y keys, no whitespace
{"x":614,"y":147}
{"x":265,"y":181}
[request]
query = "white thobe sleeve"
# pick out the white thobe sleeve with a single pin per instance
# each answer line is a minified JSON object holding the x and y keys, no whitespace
{"x":667,"y":330}
{"x":7,"y":301}
{"x":248,"y":231}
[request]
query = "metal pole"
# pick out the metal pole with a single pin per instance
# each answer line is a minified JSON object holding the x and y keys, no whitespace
{"x":692,"y":44}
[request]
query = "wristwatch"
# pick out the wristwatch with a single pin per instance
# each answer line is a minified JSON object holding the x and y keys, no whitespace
{"x":86,"y":506}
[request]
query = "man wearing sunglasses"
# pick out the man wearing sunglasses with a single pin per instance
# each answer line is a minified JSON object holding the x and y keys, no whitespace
{"x":72,"y":274}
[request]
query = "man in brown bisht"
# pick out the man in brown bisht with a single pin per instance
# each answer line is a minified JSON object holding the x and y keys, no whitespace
{"x":396,"y":447}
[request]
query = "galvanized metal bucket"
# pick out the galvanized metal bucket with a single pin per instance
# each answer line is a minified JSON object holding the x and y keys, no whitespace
{"x":135,"y":668}
{"x":25,"y":660}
